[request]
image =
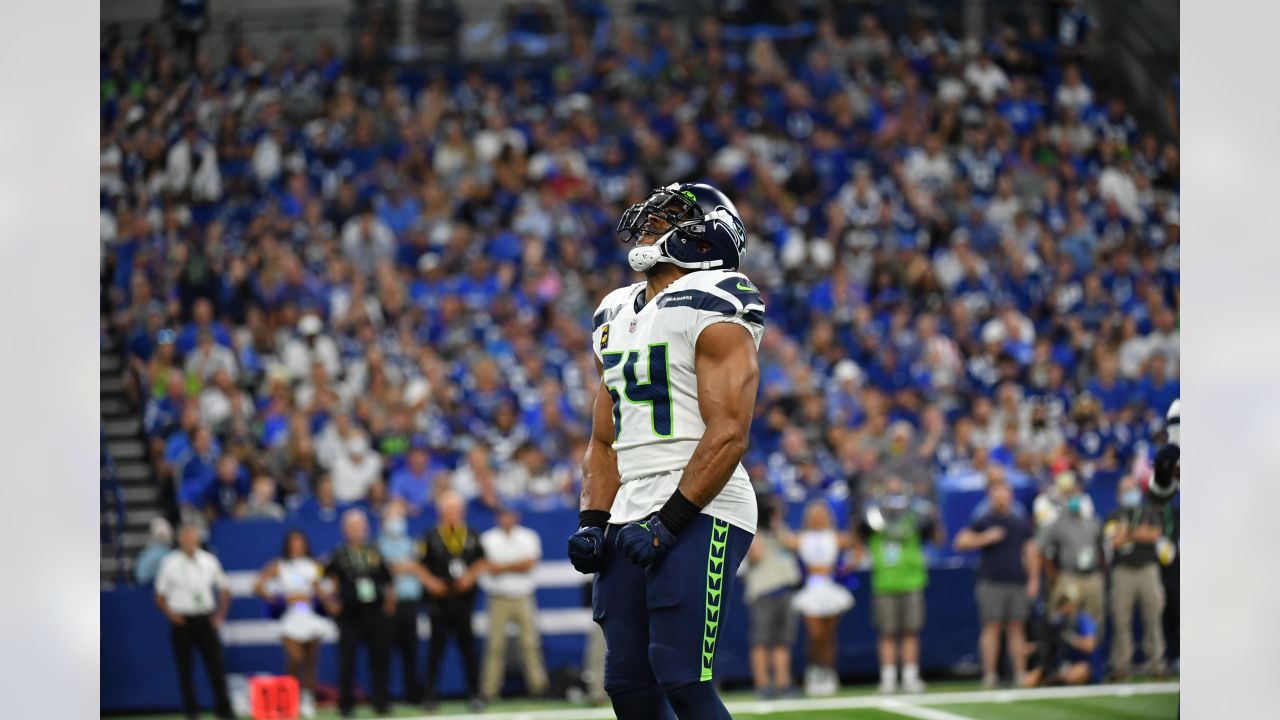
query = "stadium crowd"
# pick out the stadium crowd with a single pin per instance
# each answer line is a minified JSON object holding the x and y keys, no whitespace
{"x":343,"y":282}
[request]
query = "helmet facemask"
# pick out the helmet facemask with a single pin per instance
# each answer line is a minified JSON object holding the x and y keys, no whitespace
{"x":693,"y":235}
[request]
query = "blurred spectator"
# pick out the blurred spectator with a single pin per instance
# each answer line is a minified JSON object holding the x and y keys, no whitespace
{"x":1065,"y":643}
{"x":1074,"y":26}
{"x":1008,"y":579}
{"x":322,"y":505}
{"x":227,"y":495}
{"x":822,"y":601}
{"x":188,"y":19}
{"x":1055,"y":500}
{"x":771,"y":575}
{"x":362,"y":604}
{"x":209,"y":358}
{"x":1132,"y":531}
{"x":185,"y":593}
{"x":191,"y":170}
{"x":159,"y":544}
{"x":415,"y":485}
{"x":893,"y":530}
{"x":225,"y":407}
{"x":398,"y":553}
{"x":292,"y":582}
{"x":511,"y":552}
{"x":309,"y":347}
{"x":986,"y":78}
{"x":1071,"y":542}
{"x":199,"y":465}
{"x":452,"y":558}
{"x":367,"y":242}
{"x":163,"y":414}
{"x":1073,"y":93}
{"x":355,"y":471}
{"x":476,"y":478}
{"x":532,"y":481}
{"x":262,"y":500}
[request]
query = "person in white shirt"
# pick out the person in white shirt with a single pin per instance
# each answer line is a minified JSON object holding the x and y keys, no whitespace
{"x":222,"y":402}
{"x":355,"y":471}
{"x":185,"y":588}
{"x":1073,"y":93}
{"x":310,"y":346}
{"x":930,"y":167}
{"x":512,"y":551}
{"x":987,"y":78}
{"x":209,"y":357}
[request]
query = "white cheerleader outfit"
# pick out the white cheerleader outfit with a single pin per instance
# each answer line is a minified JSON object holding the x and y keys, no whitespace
{"x":300,"y":622}
{"x":821,"y":596}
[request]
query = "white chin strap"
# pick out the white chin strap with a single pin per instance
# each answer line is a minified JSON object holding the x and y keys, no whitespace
{"x":644,"y":257}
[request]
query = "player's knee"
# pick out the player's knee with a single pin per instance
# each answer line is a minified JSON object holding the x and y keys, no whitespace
{"x":673,"y":668}
{"x":697,"y":700}
{"x":640,"y":704}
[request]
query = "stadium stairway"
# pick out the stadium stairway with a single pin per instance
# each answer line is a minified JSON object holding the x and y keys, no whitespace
{"x":128,"y":503}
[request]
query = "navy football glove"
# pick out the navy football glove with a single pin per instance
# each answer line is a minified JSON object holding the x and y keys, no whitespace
{"x":586,"y":549}
{"x":644,"y":543}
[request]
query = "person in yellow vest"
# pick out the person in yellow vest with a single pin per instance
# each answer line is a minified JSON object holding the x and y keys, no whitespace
{"x":891,"y":534}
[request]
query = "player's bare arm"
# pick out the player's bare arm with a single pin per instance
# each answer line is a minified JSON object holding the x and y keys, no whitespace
{"x":600,"y":478}
{"x":600,"y":483}
{"x":728,"y":375}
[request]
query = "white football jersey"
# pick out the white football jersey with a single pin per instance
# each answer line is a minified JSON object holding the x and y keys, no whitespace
{"x":648,"y":358}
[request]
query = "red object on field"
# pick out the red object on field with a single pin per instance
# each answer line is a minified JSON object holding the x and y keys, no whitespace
{"x":273,"y":698}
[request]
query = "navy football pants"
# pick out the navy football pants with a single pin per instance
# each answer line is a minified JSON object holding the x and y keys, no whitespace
{"x":661,"y":623}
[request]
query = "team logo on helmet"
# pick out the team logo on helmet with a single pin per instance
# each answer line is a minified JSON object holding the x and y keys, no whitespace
{"x":724,"y":218}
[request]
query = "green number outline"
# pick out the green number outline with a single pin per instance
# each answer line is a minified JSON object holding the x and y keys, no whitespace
{"x":665,"y":387}
{"x":609,"y":362}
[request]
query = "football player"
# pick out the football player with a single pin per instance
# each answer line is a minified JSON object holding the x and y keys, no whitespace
{"x":667,"y":509}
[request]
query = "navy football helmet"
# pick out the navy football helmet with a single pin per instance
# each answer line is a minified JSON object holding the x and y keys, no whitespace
{"x":704,"y":230}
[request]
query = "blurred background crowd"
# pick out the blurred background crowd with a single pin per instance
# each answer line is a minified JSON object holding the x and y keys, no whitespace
{"x":322,"y":267}
{"x":341,"y":279}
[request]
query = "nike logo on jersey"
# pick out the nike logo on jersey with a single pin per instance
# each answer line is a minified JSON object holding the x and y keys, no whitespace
{"x":747,"y":287}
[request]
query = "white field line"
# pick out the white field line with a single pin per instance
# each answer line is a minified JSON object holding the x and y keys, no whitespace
{"x":922,"y":712}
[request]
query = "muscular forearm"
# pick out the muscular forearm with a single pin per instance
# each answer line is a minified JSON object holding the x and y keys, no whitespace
{"x":713,"y":462}
{"x":600,"y":478}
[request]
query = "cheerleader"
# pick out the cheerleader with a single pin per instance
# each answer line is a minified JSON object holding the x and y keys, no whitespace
{"x":822,"y":601}
{"x":293,"y":579}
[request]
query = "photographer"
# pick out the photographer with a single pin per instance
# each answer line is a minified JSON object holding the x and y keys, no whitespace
{"x":893,"y":530}
{"x":1073,"y":551}
{"x":1067,"y":639}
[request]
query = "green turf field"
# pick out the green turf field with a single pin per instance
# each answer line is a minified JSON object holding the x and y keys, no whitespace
{"x":944,"y":701}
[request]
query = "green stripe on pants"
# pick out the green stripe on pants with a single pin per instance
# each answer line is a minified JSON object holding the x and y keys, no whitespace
{"x":715,"y":583}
